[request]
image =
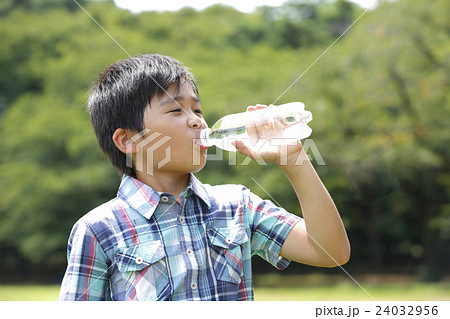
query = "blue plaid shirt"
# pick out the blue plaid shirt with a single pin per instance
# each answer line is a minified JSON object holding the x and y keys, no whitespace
{"x":143,"y":245}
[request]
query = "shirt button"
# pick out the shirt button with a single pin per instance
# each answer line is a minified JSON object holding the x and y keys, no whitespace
{"x":164,"y":199}
{"x":189,"y":252}
{"x":229,"y":240}
{"x":194,"y":285}
{"x":139,"y":260}
{"x":181,"y":219}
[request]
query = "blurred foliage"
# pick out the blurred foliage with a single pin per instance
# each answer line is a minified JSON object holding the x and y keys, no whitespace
{"x":379,"y":98}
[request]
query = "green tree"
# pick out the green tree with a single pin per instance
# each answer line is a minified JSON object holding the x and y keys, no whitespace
{"x":382,"y":102}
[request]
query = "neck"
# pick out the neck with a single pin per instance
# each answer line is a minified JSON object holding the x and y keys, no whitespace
{"x":166,"y":183}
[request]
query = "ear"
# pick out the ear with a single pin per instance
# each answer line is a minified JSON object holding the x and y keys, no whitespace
{"x":122,"y":140}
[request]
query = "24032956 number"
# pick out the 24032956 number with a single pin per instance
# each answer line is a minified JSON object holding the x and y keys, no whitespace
{"x":407,"y":310}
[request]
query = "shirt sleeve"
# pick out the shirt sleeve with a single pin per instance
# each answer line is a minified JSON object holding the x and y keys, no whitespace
{"x":270,"y":226}
{"x":86,"y":276}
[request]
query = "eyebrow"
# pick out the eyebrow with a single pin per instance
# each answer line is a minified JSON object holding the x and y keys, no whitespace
{"x":177,"y":99}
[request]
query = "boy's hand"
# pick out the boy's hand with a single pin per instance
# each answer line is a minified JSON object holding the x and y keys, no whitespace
{"x":265,"y":141}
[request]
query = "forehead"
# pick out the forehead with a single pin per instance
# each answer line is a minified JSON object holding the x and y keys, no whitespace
{"x":174,"y":93}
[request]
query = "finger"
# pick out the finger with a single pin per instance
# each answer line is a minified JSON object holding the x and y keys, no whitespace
{"x":256,"y":107}
{"x":253,"y":123}
{"x":252,"y":131}
{"x":242,"y":148}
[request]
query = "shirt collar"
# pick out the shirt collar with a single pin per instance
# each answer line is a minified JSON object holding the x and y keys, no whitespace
{"x":199,"y":189}
{"x":145,"y":199}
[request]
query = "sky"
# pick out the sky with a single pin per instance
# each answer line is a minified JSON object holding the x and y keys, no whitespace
{"x":173,"y":5}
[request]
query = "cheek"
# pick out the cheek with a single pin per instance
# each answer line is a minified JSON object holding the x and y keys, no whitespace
{"x":174,"y":147}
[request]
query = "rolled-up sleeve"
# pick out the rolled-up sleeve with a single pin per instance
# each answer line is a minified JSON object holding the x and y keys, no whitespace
{"x":86,"y":276}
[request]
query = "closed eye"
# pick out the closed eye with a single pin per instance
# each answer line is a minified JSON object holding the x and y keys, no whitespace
{"x":175,"y":111}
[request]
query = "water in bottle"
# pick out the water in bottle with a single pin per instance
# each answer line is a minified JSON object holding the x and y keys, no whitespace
{"x":266,"y":127}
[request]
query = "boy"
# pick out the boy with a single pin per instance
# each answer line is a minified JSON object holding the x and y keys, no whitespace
{"x":167,"y":236}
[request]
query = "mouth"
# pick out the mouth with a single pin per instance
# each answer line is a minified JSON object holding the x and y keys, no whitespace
{"x":197,"y":141}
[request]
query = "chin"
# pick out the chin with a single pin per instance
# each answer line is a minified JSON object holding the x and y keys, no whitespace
{"x":199,"y":167}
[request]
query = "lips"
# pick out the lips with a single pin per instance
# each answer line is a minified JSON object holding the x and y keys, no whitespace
{"x":197,"y":141}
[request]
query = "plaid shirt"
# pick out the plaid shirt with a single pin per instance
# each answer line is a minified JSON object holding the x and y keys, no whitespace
{"x":143,"y":245}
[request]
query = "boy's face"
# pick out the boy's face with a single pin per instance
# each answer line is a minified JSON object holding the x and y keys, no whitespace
{"x":172,"y":124}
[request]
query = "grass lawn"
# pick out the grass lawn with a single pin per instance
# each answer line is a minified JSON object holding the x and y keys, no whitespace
{"x":300,"y":288}
{"x":341,"y":288}
{"x":28,"y":292}
{"x":348,"y":292}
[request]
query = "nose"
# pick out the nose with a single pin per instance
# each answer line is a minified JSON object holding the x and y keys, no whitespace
{"x":196,"y":122}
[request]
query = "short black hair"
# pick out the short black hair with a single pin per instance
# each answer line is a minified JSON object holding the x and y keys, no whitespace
{"x":123,"y":91}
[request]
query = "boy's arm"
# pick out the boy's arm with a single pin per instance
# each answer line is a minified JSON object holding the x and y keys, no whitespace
{"x":86,"y":277}
{"x":321,"y":239}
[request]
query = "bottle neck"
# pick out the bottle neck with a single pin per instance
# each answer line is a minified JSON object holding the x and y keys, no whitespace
{"x":204,"y":137}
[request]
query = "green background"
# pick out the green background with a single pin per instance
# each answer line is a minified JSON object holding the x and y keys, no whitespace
{"x":379,"y":97}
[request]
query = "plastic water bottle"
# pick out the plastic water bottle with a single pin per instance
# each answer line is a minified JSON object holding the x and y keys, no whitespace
{"x":265,"y":128}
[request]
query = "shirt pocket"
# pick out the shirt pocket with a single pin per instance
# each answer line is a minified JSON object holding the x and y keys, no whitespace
{"x":226,"y":252}
{"x":144,"y":273}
